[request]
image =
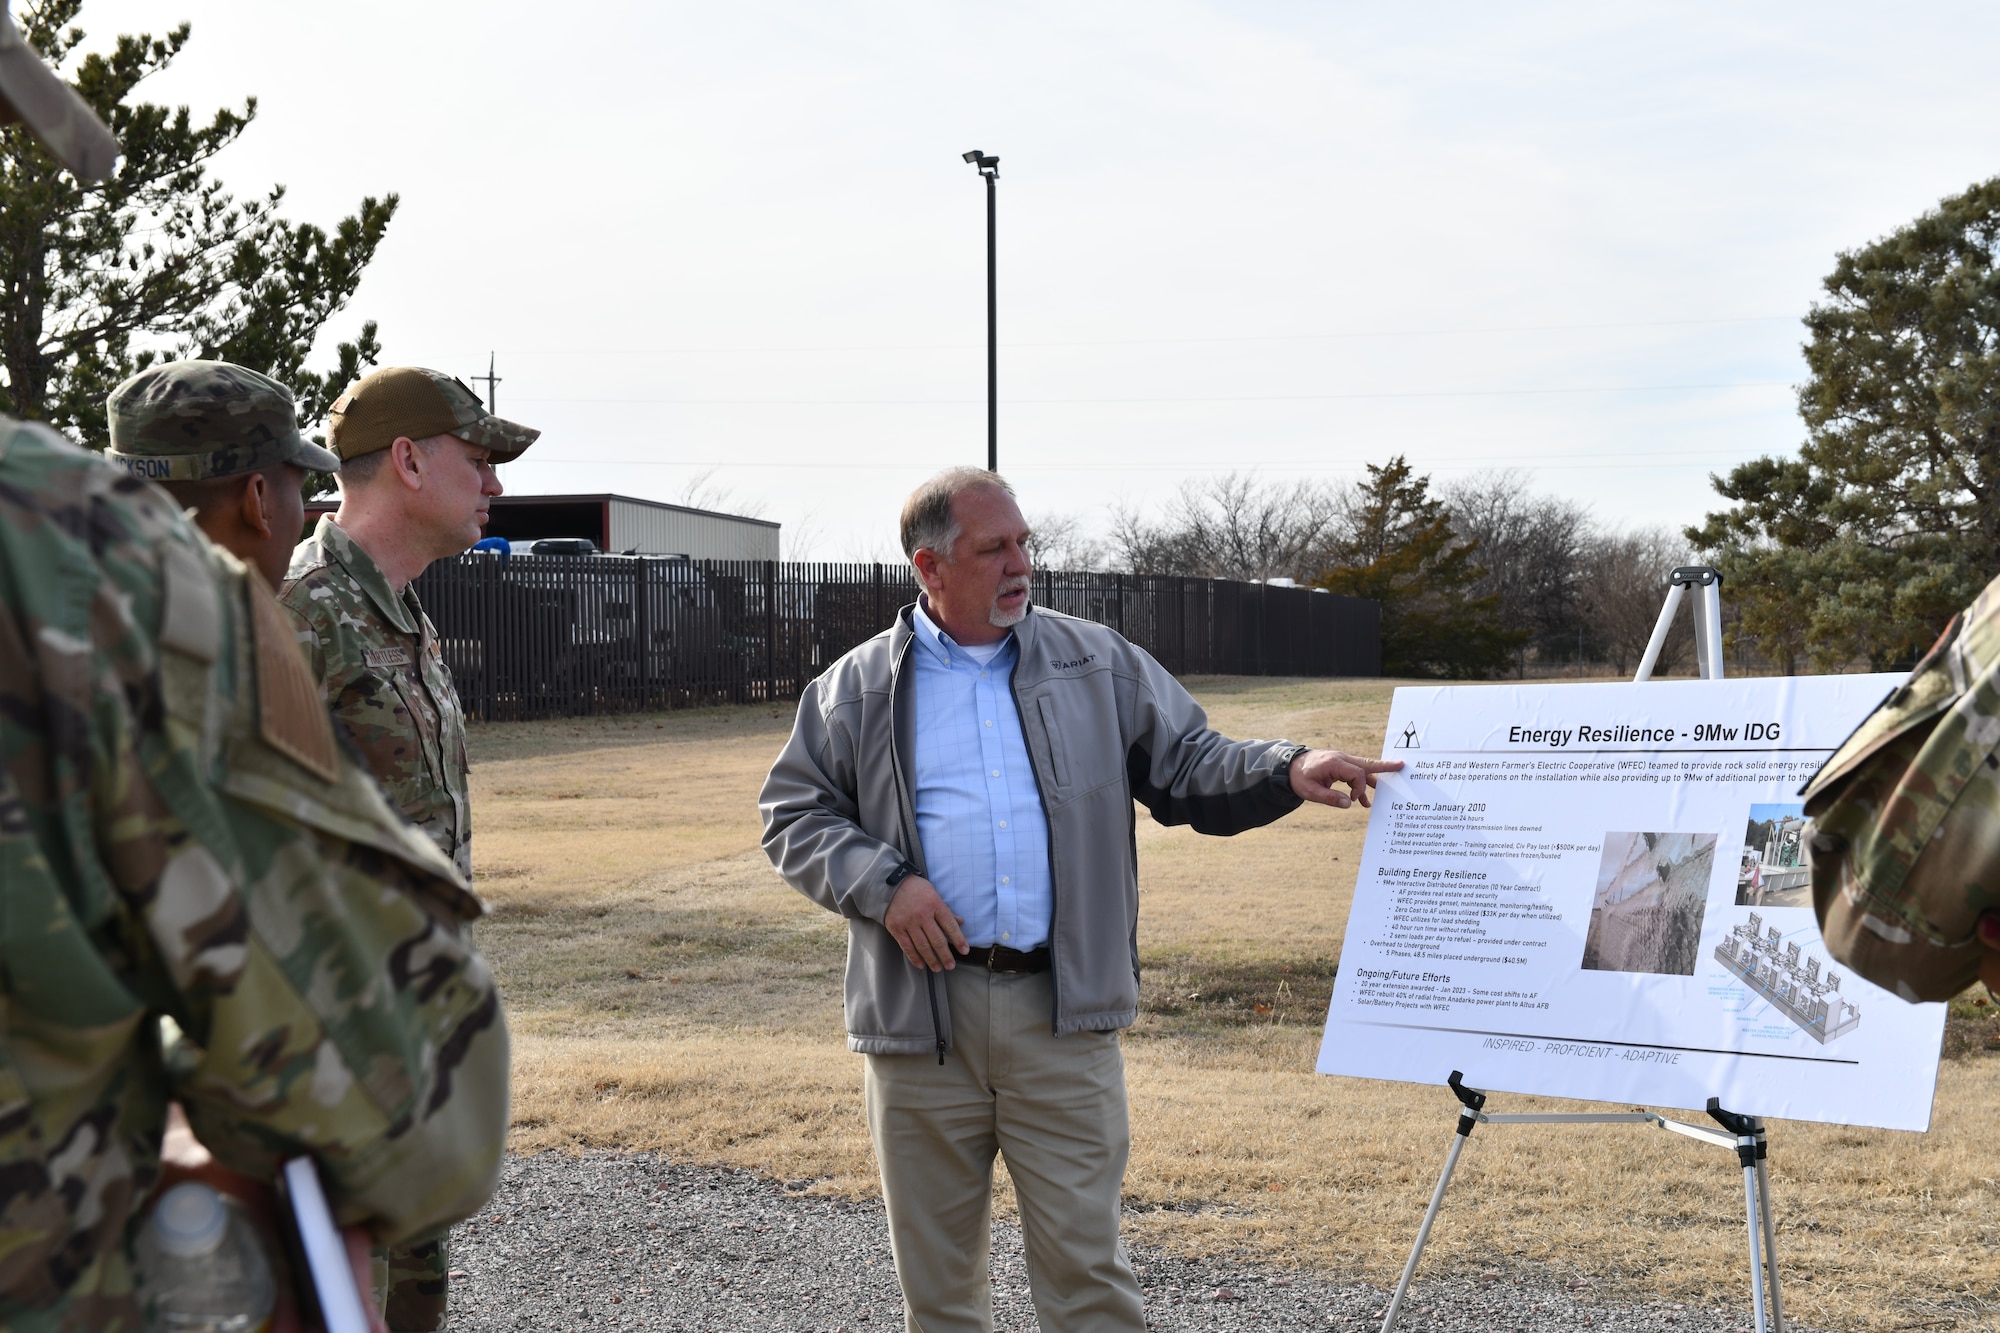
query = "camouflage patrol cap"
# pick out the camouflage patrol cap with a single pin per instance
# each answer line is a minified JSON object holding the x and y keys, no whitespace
{"x":191,"y":420}
{"x":409,"y":402}
{"x":35,"y":95}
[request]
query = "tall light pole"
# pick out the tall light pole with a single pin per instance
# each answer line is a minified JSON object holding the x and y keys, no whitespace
{"x":989,"y":168}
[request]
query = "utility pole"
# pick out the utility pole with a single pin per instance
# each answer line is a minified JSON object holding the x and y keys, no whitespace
{"x":491,"y":380}
{"x":989,"y":170}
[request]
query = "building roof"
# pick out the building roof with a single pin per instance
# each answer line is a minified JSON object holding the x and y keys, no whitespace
{"x":332,"y":501}
{"x":604,"y":497}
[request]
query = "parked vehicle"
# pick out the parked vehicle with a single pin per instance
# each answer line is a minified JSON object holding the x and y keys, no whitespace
{"x":553,"y":546}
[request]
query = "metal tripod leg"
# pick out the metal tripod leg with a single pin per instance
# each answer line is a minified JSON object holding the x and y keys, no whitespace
{"x":1750,"y":1213}
{"x":1749,"y":1133}
{"x":1770,"y":1235}
{"x":1466,"y":1120}
{"x":1675,"y":592}
{"x":1471,"y":1102}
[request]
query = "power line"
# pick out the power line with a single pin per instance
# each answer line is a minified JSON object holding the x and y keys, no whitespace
{"x":1424,"y":333}
{"x":1469,"y":331}
{"x":1567,"y":461}
{"x":1203,"y":398}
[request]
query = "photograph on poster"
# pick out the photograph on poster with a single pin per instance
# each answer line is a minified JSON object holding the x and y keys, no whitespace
{"x":1776,"y":869}
{"x":1652,"y":890}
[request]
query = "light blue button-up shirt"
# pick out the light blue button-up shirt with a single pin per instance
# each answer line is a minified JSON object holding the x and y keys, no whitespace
{"x":979,"y":810}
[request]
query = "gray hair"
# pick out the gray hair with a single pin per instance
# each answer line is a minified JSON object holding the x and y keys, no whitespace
{"x":928,"y":520}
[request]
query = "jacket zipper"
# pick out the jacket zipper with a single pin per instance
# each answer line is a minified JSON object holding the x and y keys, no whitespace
{"x":1048,"y":825}
{"x":904,"y":812}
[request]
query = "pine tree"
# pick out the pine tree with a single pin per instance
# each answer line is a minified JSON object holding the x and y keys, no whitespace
{"x":159,"y":262}
{"x":1888,"y":521}
{"x":1400,"y":550}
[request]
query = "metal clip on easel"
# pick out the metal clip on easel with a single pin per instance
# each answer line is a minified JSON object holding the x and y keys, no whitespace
{"x":1707,"y":622}
{"x":1746,"y":1136}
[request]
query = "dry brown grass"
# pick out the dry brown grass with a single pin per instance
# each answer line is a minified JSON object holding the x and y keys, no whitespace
{"x":667,"y":992}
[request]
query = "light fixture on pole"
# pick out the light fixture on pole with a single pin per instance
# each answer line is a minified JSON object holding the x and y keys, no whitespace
{"x":989,"y":168}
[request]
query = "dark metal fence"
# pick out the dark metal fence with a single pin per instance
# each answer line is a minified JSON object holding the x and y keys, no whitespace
{"x":557,"y":636}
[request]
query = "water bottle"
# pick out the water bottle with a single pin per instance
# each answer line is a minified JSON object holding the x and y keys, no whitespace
{"x":201,"y":1266}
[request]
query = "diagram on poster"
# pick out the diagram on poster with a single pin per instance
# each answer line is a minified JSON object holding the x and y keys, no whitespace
{"x":1605,"y":892}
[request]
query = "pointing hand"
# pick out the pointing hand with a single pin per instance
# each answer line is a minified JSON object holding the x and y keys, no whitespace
{"x":1318,"y":775}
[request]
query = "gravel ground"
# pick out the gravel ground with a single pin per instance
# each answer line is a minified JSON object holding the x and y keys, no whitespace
{"x":613,"y":1240}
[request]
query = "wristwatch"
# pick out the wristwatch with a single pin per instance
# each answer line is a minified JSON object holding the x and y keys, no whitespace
{"x":901,"y":873}
{"x":1281,"y":776}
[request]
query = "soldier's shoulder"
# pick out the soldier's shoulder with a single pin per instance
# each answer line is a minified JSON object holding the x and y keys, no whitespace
{"x":319,"y":590}
{"x":311,"y":566}
{"x":1956,"y":674}
{"x":30,"y":442}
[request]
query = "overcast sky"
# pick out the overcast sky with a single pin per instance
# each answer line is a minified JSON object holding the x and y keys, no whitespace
{"x":1288,"y":237}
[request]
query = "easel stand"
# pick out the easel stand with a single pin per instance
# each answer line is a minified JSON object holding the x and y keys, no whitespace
{"x":1743,"y":1133}
{"x":1707,"y":621}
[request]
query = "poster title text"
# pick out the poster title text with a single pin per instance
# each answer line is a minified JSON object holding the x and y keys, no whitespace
{"x":1625,"y":733}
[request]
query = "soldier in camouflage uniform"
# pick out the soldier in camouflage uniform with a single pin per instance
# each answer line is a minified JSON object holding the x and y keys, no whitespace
{"x":417,"y":451}
{"x":181,"y":836}
{"x":1906,"y":823}
{"x":224,"y":442}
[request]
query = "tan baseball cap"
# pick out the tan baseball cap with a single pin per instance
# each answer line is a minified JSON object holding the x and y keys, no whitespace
{"x":35,"y":95}
{"x":413,"y":403}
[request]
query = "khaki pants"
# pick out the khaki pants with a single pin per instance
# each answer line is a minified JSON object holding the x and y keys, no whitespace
{"x":1055,"y":1107}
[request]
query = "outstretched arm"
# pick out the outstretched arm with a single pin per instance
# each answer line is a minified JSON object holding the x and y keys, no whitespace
{"x":1185,"y":773}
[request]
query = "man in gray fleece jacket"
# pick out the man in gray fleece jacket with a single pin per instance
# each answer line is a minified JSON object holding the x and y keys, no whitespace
{"x":961,"y":789}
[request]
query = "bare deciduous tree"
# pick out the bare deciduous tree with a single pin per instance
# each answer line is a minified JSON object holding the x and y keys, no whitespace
{"x":1624,"y":586}
{"x":703,"y":491}
{"x":1233,"y":527}
{"x":802,"y":539}
{"x":1065,"y":542}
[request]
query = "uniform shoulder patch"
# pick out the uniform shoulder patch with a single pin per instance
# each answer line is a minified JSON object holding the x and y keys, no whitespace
{"x":291,"y":711}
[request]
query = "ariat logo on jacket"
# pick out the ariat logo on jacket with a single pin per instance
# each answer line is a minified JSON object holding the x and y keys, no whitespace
{"x":1071,"y":666}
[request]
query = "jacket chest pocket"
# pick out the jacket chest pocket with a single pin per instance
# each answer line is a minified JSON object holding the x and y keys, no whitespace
{"x":1058,"y":749}
{"x":1073,"y":725}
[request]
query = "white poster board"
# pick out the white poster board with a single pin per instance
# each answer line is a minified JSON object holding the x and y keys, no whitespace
{"x":1600,"y":891}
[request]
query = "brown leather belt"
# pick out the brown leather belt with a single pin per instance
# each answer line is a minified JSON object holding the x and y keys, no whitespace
{"x":999,"y":958}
